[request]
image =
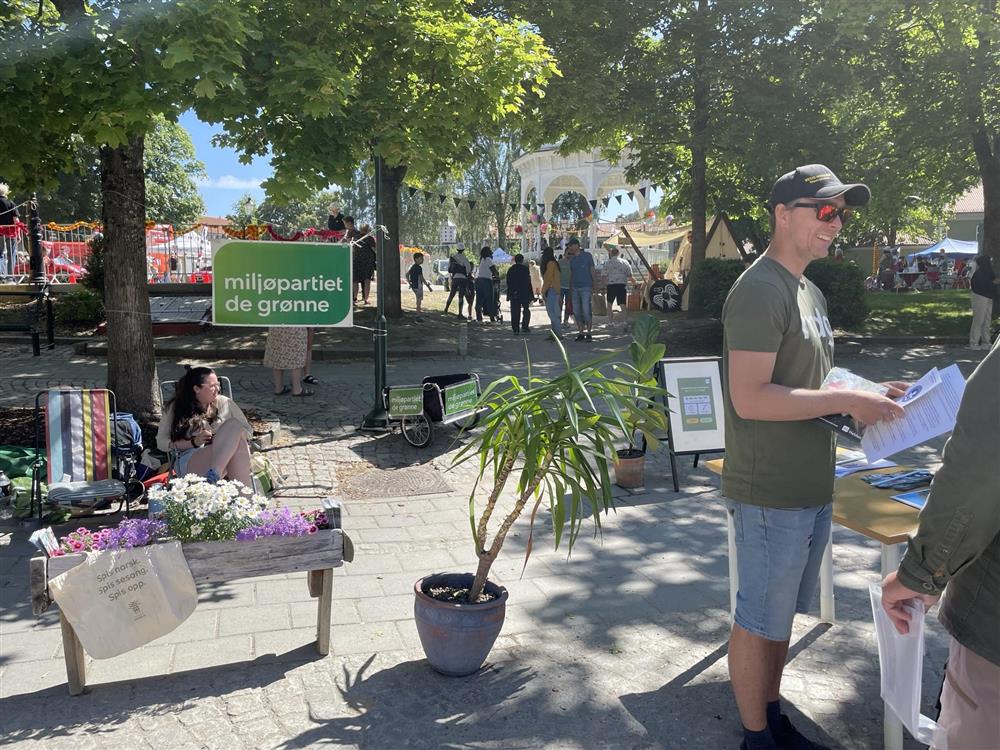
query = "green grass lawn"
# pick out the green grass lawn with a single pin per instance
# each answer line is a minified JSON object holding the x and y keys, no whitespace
{"x":938,"y":313}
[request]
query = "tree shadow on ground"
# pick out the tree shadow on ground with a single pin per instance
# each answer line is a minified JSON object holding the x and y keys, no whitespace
{"x":695,"y":710}
{"x":105,"y":707}
{"x":504,"y":705}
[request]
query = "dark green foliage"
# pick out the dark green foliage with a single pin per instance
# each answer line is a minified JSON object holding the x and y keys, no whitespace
{"x":843,"y":285}
{"x":711,"y":281}
{"x":94,"y":280}
{"x":78,"y":307}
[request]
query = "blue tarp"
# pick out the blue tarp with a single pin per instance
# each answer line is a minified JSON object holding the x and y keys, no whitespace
{"x":501,"y":256}
{"x":952,"y":248}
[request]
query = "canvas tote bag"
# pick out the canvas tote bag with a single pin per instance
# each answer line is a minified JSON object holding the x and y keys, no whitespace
{"x":118,"y":600}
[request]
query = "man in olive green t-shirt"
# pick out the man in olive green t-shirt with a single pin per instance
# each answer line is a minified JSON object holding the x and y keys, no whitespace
{"x":778,"y":473}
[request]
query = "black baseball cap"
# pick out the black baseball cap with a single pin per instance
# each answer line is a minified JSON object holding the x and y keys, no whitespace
{"x":816,"y":181}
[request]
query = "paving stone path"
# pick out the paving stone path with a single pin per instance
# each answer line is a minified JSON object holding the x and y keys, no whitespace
{"x":620,"y":646}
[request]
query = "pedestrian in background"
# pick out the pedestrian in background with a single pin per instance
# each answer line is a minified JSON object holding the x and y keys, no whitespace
{"x":520,"y":294}
{"x":485,"y":272}
{"x":286,"y":352}
{"x":617,"y":274}
{"x":460,"y":273}
{"x":551,"y":275}
{"x":582,"y":280}
{"x":363,"y":261}
{"x":536,"y":276}
{"x":983,"y":295}
{"x":416,"y":280}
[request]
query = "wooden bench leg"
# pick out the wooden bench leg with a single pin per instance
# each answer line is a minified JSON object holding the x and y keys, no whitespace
{"x":325,"y":609}
{"x":315,"y":580}
{"x":76,"y":665}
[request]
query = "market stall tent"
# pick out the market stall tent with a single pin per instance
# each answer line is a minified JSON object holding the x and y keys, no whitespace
{"x":952,"y":248}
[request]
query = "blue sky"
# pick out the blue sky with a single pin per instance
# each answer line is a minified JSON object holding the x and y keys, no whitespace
{"x":228,"y":179}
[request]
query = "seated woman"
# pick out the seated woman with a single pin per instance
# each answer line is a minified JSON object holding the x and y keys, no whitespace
{"x":209,"y":431}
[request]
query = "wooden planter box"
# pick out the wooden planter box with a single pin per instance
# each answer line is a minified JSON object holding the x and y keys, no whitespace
{"x":216,"y":562}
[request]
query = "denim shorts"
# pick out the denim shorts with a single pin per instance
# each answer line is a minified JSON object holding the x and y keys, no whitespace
{"x":581,"y":303}
{"x":778,"y":556}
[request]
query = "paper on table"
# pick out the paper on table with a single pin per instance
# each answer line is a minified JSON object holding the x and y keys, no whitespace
{"x":852,"y":467}
{"x":926,"y":417}
{"x":901,"y":663}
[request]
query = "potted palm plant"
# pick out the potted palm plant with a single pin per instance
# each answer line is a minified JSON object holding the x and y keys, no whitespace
{"x":545,"y":441}
{"x":641,"y":418}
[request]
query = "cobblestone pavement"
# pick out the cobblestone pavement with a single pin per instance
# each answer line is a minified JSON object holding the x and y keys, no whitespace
{"x":620,"y":646}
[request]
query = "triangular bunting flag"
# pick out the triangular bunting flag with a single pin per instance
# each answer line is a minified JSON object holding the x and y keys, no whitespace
{"x":442,"y":198}
{"x":541,"y":208}
{"x":513,"y":208}
{"x":457,"y":201}
{"x":605,"y":200}
{"x":527,"y":206}
{"x":653,"y":186}
{"x":642,"y":192}
{"x":412,"y":191}
{"x":619,"y":199}
{"x":427,"y":196}
{"x":593,"y":204}
{"x":631,"y":194}
{"x":472,"y":204}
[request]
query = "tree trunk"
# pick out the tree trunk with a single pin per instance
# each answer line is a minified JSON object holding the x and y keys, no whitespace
{"x":699,"y":150}
{"x":392,"y":180}
{"x":991,"y":208}
{"x":500,"y":213}
{"x":131,"y":361}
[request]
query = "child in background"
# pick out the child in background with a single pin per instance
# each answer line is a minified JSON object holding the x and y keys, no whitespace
{"x":415,"y":276}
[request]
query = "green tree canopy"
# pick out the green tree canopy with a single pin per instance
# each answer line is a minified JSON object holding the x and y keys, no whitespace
{"x":98,"y":73}
{"x":412,"y":81}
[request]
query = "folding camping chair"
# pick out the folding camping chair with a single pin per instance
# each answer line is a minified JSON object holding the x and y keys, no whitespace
{"x":81,"y":447}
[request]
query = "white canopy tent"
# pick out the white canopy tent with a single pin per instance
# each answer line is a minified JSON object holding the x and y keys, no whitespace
{"x":952,"y":248}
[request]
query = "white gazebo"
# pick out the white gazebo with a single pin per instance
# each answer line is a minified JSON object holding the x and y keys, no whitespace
{"x":549,"y":174}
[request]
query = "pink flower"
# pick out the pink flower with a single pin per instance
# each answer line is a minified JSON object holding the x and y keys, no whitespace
{"x":81,"y":530}
{"x":313,"y":529}
{"x":58,"y":552}
{"x":77,"y":546}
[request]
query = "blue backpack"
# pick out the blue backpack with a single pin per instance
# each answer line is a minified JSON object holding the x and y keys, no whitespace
{"x":128,"y":435}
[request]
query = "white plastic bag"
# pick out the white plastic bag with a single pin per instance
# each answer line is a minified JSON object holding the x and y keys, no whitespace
{"x":119,"y":600}
{"x":901,"y":664}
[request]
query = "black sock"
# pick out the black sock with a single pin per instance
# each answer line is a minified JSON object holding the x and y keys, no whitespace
{"x":774,"y":716}
{"x":761,"y":740}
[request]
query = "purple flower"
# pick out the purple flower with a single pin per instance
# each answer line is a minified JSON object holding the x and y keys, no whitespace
{"x":281,"y":522}
{"x":132,"y":532}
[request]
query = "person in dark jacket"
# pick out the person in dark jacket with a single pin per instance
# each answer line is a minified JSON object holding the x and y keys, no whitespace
{"x":519,"y":294}
{"x":335,"y":221}
{"x":956,"y":549}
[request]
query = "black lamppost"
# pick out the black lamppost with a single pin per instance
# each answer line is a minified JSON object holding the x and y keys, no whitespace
{"x":37,"y":265}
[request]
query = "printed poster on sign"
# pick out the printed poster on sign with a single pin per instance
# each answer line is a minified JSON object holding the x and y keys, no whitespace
{"x":696,"y":422}
{"x":697,"y":404}
{"x":406,"y":401}
{"x":272,"y":284}
{"x":460,"y":397}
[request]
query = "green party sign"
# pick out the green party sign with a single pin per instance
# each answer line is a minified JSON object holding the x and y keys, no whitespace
{"x":406,"y":400}
{"x":460,"y":397}
{"x":282,"y":284}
